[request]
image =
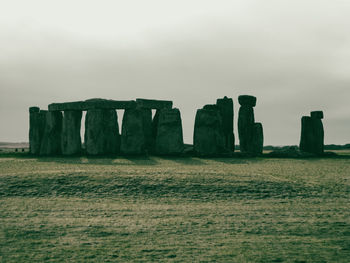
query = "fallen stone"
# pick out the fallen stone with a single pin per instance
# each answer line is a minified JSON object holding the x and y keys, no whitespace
{"x":71,"y":139}
{"x":154,"y":104}
{"x":169,"y":138}
{"x":247,"y":100}
{"x":51,"y":143}
{"x":101,"y":132}
{"x":208,"y":135}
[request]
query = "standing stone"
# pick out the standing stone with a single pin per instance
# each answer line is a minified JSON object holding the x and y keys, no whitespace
{"x":101,"y":132}
{"x":225,"y":107}
{"x":71,"y":140}
{"x":51,"y":143}
{"x":37,"y":119}
{"x":258,"y":139}
{"x":133,"y":141}
{"x":147,"y":128}
{"x":318,"y":129}
{"x":169,"y":136}
{"x":208,"y":137}
{"x":245,"y":124}
{"x":251,"y":138}
{"x":307,"y":137}
{"x":312,"y":133}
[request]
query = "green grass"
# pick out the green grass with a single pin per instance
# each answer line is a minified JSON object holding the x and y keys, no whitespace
{"x":174,"y":209}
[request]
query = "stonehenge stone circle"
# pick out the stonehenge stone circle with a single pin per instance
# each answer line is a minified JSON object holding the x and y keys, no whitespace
{"x":208,"y":137}
{"x":71,"y":139}
{"x":250,"y":134}
{"x":37,"y":120}
{"x":101,"y":132}
{"x":312,"y":133}
{"x":169,"y":136}
{"x":51,"y":143}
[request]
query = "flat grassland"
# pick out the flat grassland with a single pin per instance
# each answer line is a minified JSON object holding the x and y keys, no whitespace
{"x":174,"y":209}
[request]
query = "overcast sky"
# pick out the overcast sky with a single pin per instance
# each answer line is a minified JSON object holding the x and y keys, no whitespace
{"x":294,"y":56}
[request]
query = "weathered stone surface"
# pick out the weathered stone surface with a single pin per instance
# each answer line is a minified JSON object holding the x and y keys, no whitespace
{"x":101,"y":132}
{"x":210,"y":107}
{"x":155,"y":128}
{"x":169,"y":138}
{"x":312,"y":134}
{"x":154,"y":104}
{"x":133,"y":141}
{"x":71,"y":140}
{"x":317,"y":114}
{"x":92,"y":104}
{"x":147,"y":128}
{"x":34,"y":110}
{"x":208,"y":138}
{"x":37,"y":120}
{"x":258,"y":139}
{"x":307,"y":137}
{"x":245,"y":128}
{"x":225,"y":107}
{"x":247,"y":100}
{"x":51,"y":143}
{"x":318,"y":136}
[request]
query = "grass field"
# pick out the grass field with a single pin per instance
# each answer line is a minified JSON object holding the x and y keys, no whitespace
{"x":174,"y":209}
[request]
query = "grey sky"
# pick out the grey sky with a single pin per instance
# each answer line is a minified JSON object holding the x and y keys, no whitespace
{"x":293,"y":55}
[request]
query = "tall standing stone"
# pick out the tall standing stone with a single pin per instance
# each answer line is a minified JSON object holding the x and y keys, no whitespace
{"x":71,"y":139}
{"x":317,"y":125}
{"x":101,"y":132}
{"x":251,"y":137}
{"x":51,"y":143}
{"x":133,"y":140}
{"x":246,"y":122}
{"x":147,"y":128}
{"x":169,"y":136}
{"x":37,"y":120}
{"x":312,"y":133}
{"x":225,"y":107}
{"x":208,"y":137}
{"x":258,"y":139}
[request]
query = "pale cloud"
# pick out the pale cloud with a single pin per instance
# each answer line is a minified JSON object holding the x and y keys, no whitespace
{"x":293,"y":55}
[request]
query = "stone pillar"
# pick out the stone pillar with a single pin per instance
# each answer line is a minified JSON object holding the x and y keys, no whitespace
{"x":71,"y":140}
{"x":169,"y":136}
{"x":246,"y":122}
{"x":312,"y":133}
{"x":101,"y":132}
{"x":133,"y":140}
{"x":208,"y":137}
{"x":37,"y":120}
{"x":51,"y":143}
{"x":147,"y":128}
{"x":258,"y":139}
{"x":316,"y":117}
{"x":225,"y":107}
{"x":251,"y":137}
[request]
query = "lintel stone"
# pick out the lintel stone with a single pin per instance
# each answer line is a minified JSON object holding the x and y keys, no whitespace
{"x":92,"y":104}
{"x":154,"y":104}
